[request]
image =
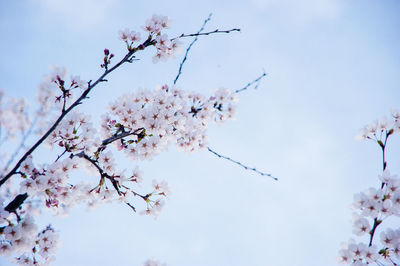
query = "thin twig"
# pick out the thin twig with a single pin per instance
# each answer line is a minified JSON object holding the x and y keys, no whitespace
{"x":102,"y":173}
{"x":257,"y":80}
{"x":240,"y":164}
{"x":204,"y":33}
{"x":190,"y":46}
{"x":132,"y":207}
{"x":61,"y":155}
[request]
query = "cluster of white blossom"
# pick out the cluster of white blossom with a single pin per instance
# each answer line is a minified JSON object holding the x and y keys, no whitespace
{"x":361,"y":254}
{"x":52,"y":185}
{"x":129,"y":37}
{"x":374,"y":206}
{"x":153,"y":119}
{"x":375,"y":129}
{"x":20,"y":237}
{"x":166,"y":48}
{"x":54,"y":92}
{"x":156,"y":23}
{"x":46,"y":247}
{"x":381,"y":202}
{"x":75,"y":133}
{"x":142,"y":124}
{"x":54,"y":88}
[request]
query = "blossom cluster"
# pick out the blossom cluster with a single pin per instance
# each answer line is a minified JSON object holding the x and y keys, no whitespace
{"x":141,"y":124}
{"x":374,"y":206}
{"x":381,"y":202}
{"x":51,"y":183}
{"x":166,"y":48}
{"x":376,"y":129}
{"x":21,"y":237}
{"x":153,"y":119}
{"x":46,"y":245}
{"x":57,"y":81}
{"x":75,"y":133}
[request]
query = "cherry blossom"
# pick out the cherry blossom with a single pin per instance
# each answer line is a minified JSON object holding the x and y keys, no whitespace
{"x":140,"y":125}
{"x":375,"y":205}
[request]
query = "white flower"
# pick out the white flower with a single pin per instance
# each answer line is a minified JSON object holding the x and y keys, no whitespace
{"x":395,"y":113}
{"x":124,"y":34}
{"x":385,"y":177}
{"x":134,"y":36}
{"x":388,"y":238}
{"x":361,"y":226}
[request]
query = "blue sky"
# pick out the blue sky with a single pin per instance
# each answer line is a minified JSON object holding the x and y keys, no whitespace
{"x":333,"y":66}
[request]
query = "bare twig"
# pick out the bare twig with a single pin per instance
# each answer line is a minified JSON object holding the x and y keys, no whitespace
{"x":61,"y":155}
{"x":132,"y":207}
{"x":205,"y":33}
{"x":256,"y":81}
{"x":240,"y":164}
{"x":190,"y":46}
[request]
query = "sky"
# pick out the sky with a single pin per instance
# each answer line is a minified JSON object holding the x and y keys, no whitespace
{"x":333,"y":66}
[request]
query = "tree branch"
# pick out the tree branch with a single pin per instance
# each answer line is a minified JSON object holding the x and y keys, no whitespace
{"x":16,"y":203}
{"x":240,"y":164}
{"x":190,"y":46}
{"x":257,"y":80}
{"x":121,"y":135}
{"x":204,"y":33}
{"x":377,"y":222}
{"x":103,"y":174}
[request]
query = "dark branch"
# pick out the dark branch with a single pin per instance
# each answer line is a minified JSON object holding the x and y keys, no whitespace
{"x":190,"y":46}
{"x":121,"y":135}
{"x":103,"y":174}
{"x":16,"y":203}
{"x":240,"y":164}
{"x":377,"y":222}
{"x":204,"y":33}
{"x":132,"y":207}
{"x":256,"y":81}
